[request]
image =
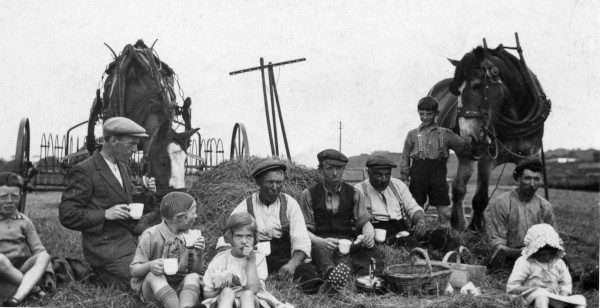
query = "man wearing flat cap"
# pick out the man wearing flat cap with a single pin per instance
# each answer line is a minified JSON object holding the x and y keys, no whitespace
{"x":280,"y":225}
{"x":389,"y":200}
{"x":334,"y":210}
{"x":508,"y":216}
{"x":96,"y":202}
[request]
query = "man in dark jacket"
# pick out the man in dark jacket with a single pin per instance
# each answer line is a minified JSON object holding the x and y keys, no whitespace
{"x":335,"y":211}
{"x":96,"y":202}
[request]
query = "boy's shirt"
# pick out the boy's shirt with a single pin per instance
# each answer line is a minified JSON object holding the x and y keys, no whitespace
{"x":430,"y":142}
{"x":158,"y":242}
{"x":18,"y":238}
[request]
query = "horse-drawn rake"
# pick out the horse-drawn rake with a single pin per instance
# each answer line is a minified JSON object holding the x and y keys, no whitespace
{"x":152,"y":108}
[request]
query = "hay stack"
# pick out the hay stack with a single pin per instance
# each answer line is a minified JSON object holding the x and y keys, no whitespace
{"x":220,"y":190}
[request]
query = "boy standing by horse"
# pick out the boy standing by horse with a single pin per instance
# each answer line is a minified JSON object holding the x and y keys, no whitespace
{"x":426,"y":151}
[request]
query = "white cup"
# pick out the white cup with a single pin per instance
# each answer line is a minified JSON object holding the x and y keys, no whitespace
{"x":136,"y":210}
{"x":264,"y":247}
{"x":170,"y":266}
{"x":190,"y":237}
{"x":344,"y":246}
{"x":380,"y":235}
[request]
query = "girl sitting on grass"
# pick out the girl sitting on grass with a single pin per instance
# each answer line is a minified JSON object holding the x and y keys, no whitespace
{"x":236,"y":277}
{"x":540,"y":276}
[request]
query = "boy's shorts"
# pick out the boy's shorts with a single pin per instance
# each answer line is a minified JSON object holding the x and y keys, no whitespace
{"x":428,"y":179}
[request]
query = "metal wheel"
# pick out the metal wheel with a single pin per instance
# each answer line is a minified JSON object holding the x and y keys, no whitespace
{"x":239,"y":142}
{"x":22,"y":163}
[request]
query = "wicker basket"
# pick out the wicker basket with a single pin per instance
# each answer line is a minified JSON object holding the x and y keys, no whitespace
{"x":416,"y":279}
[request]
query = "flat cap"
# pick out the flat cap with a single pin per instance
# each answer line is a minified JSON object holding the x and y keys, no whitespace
{"x":119,"y":126}
{"x":528,"y":162}
{"x":332,"y":157}
{"x":268,"y":164}
{"x":379,"y":161}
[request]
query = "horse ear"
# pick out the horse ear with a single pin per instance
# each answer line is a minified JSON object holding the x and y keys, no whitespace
{"x":454,"y":62}
{"x":184,"y":138}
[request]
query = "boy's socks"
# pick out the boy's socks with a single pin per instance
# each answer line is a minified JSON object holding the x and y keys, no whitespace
{"x":189,"y":295}
{"x":167,"y":297}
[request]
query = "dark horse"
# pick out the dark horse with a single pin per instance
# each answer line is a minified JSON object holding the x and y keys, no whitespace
{"x":139,"y":86}
{"x":495,"y":99}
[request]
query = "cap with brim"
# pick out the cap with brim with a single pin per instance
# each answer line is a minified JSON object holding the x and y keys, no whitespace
{"x":268,"y":164}
{"x":332,"y":157}
{"x":120,"y":126}
{"x":524,"y":164}
{"x":380,"y":161}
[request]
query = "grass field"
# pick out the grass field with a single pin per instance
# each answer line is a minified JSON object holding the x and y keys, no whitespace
{"x":577,"y":219}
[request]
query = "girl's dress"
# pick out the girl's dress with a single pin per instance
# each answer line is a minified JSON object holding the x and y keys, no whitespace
{"x":551,"y":278}
{"x":225,"y":262}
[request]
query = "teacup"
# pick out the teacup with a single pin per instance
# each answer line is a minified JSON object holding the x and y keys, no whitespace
{"x":170,"y":266}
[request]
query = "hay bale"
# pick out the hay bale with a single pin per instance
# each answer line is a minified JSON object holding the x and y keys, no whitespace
{"x":220,"y":190}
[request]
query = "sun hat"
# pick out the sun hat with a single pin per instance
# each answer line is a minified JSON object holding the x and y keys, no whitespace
{"x":539,"y":236}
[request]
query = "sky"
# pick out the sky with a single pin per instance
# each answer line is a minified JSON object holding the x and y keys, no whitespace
{"x":368,"y":63}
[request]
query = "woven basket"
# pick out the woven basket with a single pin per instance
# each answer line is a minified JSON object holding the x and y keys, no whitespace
{"x":416,"y":279}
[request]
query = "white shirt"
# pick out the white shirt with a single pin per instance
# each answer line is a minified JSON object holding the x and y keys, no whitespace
{"x":115,"y":170}
{"x":269,"y":225}
{"x":384,"y":206}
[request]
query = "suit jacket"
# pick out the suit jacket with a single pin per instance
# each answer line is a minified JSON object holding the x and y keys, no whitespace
{"x":91,"y":189}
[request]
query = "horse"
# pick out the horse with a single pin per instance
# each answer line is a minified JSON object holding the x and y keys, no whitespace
{"x":494,"y":98}
{"x":139,"y":86}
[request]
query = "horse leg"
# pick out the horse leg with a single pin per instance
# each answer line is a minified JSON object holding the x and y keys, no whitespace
{"x":480,"y":199}
{"x":459,"y":190}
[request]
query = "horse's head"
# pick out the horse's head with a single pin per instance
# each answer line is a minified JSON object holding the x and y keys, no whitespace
{"x":164,"y":156}
{"x":481,"y":93}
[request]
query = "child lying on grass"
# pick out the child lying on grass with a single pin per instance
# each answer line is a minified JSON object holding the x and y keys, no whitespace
{"x":23,"y":258}
{"x":540,"y":275}
{"x":236,"y":277}
{"x":151,"y":275}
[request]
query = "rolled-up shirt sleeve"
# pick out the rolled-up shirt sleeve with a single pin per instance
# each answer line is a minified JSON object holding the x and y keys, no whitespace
{"x":305,"y":203}
{"x":361,"y":214}
{"x":410,"y":204}
{"x":298,"y":233}
{"x":495,"y":219}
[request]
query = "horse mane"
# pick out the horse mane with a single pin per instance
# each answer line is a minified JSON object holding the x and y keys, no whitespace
{"x":138,"y":84}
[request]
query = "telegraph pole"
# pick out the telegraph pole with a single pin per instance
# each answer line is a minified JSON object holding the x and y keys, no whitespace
{"x":340,"y":136}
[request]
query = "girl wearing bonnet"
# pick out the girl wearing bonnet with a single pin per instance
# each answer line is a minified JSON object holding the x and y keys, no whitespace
{"x":540,"y":276}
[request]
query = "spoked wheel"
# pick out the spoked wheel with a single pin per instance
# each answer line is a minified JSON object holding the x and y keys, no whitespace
{"x":22,"y":163}
{"x":239,"y":142}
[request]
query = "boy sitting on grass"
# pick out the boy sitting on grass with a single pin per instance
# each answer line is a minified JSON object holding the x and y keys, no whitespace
{"x":151,"y":279}
{"x":23,"y":258}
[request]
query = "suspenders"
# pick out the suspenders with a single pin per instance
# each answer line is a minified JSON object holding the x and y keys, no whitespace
{"x":395,"y":192}
{"x":285,"y":223}
{"x":421,"y":145}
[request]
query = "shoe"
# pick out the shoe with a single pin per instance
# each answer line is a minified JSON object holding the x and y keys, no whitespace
{"x":11,"y":302}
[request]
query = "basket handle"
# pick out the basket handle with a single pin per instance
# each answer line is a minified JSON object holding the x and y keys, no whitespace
{"x":424,"y":253}
{"x":449,"y":254}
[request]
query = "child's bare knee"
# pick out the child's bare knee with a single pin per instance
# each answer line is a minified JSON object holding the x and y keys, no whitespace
{"x":541,"y":302}
{"x":4,"y":262}
{"x":247,"y":294}
{"x":192,"y":278}
{"x":227,"y":293}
